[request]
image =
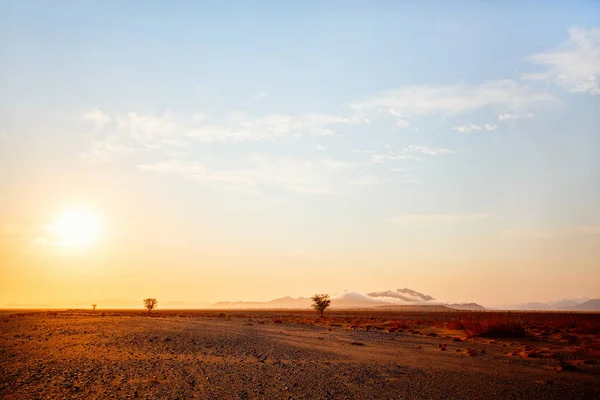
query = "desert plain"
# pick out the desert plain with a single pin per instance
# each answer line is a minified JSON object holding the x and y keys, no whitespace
{"x":285,"y":354}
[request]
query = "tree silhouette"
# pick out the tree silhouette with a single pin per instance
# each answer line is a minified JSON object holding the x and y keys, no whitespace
{"x":94,"y":306}
{"x":150,"y":304}
{"x":320,"y":303}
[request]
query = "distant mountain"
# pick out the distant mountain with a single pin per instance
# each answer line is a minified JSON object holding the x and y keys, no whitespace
{"x":590,"y":305}
{"x":398,"y":299}
{"x":283,"y":302}
{"x":564,"y":304}
{"x":290,"y":302}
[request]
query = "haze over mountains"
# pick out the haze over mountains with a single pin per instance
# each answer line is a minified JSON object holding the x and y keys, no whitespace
{"x":400,"y":299}
{"x":396,"y":299}
{"x":393,"y":299}
{"x":579,"y":304}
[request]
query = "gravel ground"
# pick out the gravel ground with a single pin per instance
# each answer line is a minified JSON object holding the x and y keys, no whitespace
{"x":129,"y":356}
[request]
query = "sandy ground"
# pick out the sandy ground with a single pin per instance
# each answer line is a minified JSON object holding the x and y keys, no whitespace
{"x":130,"y":356}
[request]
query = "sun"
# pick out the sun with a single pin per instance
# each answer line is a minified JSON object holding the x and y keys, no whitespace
{"x":77,"y":228}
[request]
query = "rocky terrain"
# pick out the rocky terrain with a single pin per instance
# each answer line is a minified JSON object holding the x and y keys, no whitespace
{"x":262,"y":355}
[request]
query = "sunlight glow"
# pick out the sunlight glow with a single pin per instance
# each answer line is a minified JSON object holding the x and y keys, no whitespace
{"x":77,"y":228}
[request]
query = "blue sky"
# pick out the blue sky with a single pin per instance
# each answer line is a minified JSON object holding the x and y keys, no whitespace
{"x":437,"y":146}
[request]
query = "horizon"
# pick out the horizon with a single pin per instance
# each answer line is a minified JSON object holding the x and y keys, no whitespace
{"x":129,"y":304}
{"x":207,"y":152}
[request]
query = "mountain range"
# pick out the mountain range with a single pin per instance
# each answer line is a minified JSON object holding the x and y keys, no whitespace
{"x":577,"y":304}
{"x":387,"y":299}
{"x":406,"y":299}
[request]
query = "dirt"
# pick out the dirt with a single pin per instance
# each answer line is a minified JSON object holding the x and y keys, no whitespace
{"x":232,"y":355}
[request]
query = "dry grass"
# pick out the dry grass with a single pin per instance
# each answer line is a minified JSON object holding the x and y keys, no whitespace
{"x":493,"y":327}
{"x":573,"y":333}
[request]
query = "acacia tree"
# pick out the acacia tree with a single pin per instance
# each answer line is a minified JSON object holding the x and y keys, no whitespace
{"x":94,"y":306}
{"x":150,"y":304}
{"x":320,"y":303}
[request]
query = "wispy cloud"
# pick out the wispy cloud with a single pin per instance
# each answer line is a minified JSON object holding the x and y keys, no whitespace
{"x":301,"y":176}
{"x":508,"y":116}
{"x":433,"y":218}
{"x":98,"y":118}
{"x":412,"y":152}
{"x":260,"y":95}
{"x":473,"y":127}
{"x":367,"y":180}
{"x":133,"y":132}
{"x":416,"y":101}
{"x":574,"y":64}
{"x":150,"y":128}
{"x":105,"y":148}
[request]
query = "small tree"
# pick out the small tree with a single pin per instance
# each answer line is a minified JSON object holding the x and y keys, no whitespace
{"x":150,"y":304}
{"x":320,"y":303}
{"x":94,"y":307}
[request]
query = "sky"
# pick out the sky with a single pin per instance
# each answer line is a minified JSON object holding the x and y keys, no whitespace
{"x":198,"y":152}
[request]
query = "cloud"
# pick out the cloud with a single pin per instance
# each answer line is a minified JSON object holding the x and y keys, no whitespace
{"x":411,"y":152}
{"x":321,"y":147}
{"x":175,"y":167}
{"x":575,"y":64}
{"x":434,"y":218}
{"x":506,"y":116}
{"x":198,"y":117}
{"x":423,"y":100}
{"x":133,"y":133}
{"x":401,"y":123}
{"x":367,"y":180}
{"x":98,"y":118}
{"x":411,"y":179}
{"x":260,"y":95}
{"x":274,"y":126}
{"x":428,"y":150}
{"x":320,"y":176}
{"x":148,"y":129}
{"x":473,"y":127}
{"x":103,"y":149}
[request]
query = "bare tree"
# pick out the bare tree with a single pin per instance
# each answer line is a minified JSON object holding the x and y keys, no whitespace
{"x":94,"y":306}
{"x":320,"y":303}
{"x":150,"y":304}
